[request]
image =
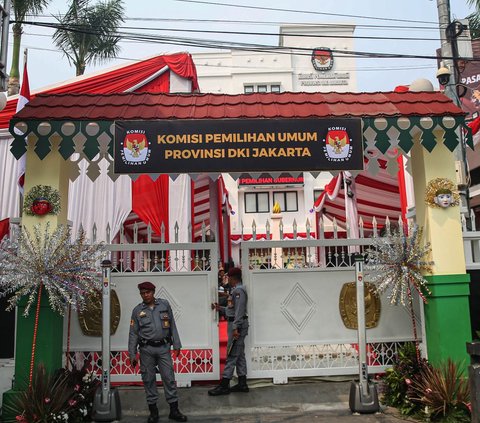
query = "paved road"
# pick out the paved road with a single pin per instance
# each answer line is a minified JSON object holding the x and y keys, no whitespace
{"x":318,"y":417}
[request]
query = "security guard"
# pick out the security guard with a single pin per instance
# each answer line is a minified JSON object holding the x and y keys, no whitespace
{"x":237,"y":329}
{"x":153,"y":330}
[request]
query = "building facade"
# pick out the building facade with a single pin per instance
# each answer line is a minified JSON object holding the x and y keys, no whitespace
{"x":308,"y":58}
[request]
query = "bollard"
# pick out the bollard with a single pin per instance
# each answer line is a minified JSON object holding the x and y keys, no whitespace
{"x":473,"y":349}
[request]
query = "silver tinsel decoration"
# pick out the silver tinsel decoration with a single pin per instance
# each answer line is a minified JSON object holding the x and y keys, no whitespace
{"x":69,"y":270}
{"x":396,"y":262}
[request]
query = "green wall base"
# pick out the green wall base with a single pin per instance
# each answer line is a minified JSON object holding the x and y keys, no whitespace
{"x":49,"y":341}
{"x":447,"y":318}
{"x":9,"y":409}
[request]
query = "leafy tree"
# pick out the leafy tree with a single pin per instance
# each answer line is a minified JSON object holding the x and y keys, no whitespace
{"x":88,"y":33}
{"x":474,"y":19}
{"x":21,"y":8}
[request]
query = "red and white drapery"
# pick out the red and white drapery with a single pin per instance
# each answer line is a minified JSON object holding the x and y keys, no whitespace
{"x":208,"y":195}
{"x":371,"y":197}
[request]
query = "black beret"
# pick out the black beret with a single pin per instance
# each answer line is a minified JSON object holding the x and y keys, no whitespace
{"x":149,"y":286}
{"x":235,"y":271}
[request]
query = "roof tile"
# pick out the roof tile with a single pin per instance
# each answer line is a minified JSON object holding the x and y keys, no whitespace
{"x":144,"y":105}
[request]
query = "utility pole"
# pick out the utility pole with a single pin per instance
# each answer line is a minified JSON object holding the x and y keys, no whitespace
{"x":448,"y":54}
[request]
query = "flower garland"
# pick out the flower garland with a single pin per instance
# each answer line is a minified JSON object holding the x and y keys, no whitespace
{"x":42,"y":199}
{"x":67,"y":269}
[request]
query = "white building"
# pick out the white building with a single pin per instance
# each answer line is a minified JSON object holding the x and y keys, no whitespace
{"x":288,"y":67}
{"x":309,"y":58}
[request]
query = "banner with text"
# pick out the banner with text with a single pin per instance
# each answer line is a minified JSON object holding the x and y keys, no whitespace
{"x":237,"y":145}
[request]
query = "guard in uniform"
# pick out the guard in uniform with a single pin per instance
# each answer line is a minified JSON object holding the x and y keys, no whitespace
{"x":237,"y":329}
{"x":153,"y":331}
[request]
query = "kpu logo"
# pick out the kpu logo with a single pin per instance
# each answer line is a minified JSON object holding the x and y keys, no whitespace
{"x":337,"y":144}
{"x":135,"y":149}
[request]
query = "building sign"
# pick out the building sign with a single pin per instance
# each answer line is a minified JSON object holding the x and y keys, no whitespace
{"x":237,"y":145}
{"x":322,"y":59}
{"x":269,"y":180}
{"x":323,"y":79}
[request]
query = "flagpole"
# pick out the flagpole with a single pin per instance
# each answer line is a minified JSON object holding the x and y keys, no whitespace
{"x":22,"y":160}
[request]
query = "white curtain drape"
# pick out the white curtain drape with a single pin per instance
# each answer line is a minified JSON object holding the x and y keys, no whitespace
{"x":9,"y":191}
{"x":101,"y":202}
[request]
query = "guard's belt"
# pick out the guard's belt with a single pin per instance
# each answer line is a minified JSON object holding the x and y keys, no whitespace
{"x":155,"y":343}
{"x":232,"y":319}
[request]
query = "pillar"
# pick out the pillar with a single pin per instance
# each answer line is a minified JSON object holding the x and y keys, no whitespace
{"x":51,"y":171}
{"x":447,"y":317}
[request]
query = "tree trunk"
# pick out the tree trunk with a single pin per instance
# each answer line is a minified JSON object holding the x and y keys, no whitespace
{"x":14,"y":77}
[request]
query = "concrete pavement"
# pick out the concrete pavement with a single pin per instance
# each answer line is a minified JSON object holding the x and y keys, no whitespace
{"x":304,"y":400}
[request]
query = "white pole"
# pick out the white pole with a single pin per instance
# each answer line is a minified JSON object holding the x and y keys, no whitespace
{"x":106,"y":270}
{"x":362,"y":337}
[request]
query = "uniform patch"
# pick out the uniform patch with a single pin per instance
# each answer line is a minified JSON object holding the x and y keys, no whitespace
{"x":237,"y":296}
{"x":132,"y":323}
{"x":142,"y":314}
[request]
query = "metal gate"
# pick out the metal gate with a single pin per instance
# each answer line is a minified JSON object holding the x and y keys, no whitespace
{"x":296,"y":306}
{"x":186,"y":275}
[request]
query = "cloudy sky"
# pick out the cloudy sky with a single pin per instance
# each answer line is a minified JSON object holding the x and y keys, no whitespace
{"x":407,"y":27}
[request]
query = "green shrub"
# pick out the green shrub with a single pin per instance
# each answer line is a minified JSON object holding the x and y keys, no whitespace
{"x":441,"y":393}
{"x":63,"y":396}
{"x":398,"y":378}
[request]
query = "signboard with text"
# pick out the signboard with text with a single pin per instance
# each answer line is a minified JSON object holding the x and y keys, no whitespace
{"x":237,"y":145}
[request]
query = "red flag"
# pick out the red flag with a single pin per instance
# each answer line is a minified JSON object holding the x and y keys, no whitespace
{"x":23,"y":99}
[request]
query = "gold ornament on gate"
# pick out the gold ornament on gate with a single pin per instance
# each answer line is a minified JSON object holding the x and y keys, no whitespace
{"x":348,"y":305}
{"x":90,"y":318}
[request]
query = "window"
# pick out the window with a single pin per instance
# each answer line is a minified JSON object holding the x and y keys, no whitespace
{"x":256,"y":202}
{"x":275,"y":88}
{"x":316,"y":194}
{"x":262,"y":89}
{"x":288,"y":200}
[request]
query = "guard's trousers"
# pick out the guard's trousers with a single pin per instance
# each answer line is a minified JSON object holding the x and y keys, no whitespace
{"x":150,"y":358}
{"x":236,"y":358}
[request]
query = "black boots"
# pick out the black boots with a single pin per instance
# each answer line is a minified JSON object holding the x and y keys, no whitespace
{"x":222,"y":389}
{"x":241,"y":386}
{"x":175,"y":413}
{"x":153,"y":418}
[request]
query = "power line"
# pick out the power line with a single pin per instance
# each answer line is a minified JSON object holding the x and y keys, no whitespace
{"x":269,"y":34}
{"x":310,"y":12}
{"x":435,"y":27}
{"x":205,"y":43}
{"x":198,"y":64}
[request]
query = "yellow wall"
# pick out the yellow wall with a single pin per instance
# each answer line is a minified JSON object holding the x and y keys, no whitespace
{"x":51,"y":171}
{"x":442,"y":227}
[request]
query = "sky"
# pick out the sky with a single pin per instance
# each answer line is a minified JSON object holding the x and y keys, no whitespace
{"x":382,"y":26}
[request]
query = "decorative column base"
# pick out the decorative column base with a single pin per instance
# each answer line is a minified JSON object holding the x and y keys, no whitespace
{"x":447,"y":318}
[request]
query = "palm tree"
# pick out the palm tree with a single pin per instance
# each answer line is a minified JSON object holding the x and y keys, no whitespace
{"x":21,"y":8}
{"x":87,"y":33}
{"x":474,"y":19}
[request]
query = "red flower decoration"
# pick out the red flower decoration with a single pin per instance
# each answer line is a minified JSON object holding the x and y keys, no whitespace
{"x":41,"y":206}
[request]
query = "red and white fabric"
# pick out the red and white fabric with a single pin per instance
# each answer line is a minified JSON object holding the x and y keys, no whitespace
{"x":475,"y":127}
{"x":376,"y":196}
{"x":23,"y":99}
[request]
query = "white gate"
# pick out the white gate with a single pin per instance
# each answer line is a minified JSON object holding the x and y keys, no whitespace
{"x":296,"y":328}
{"x":186,"y":275}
